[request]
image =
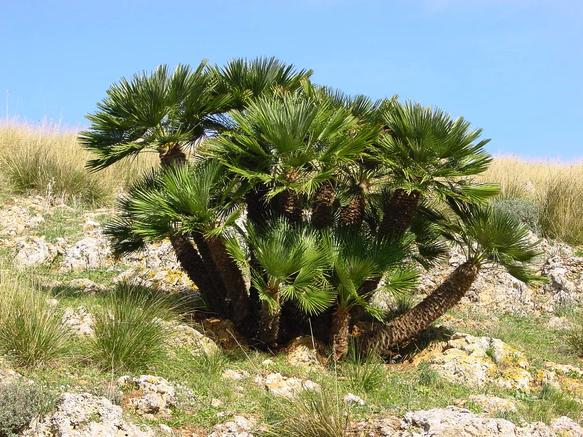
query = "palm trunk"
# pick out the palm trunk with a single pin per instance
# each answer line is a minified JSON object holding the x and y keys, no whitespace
{"x":353,"y":213}
{"x":257,"y":205}
{"x":237,"y":298}
{"x":339,"y":332}
{"x":289,"y":205}
{"x":194,"y":266}
{"x":172,"y":155}
{"x":398,"y":213}
{"x":442,"y":299}
{"x":257,"y":213}
{"x":323,"y":206}
{"x":269,"y":323}
{"x":217,"y":299}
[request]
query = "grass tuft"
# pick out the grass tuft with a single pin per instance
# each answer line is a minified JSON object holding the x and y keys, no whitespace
{"x":30,"y":328}
{"x":128,"y":333}
{"x":312,"y":414}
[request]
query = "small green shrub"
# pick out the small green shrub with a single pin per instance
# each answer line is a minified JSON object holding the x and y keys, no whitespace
{"x":522,"y":210}
{"x":30,"y":328}
{"x":19,"y":404}
{"x":129,"y":335}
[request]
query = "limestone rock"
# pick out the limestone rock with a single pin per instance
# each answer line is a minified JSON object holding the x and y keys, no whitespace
{"x":79,"y":321}
{"x":8,"y":376}
{"x":150,"y":396}
{"x":189,"y":338}
{"x":15,"y":219}
{"x":33,"y":251}
{"x":353,"y":399}
{"x":170,"y":280}
{"x":305,"y":352}
{"x":87,"y":286}
{"x":285,"y":386}
{"x":488,"y":404}
{"x":235,"y":375}
{"x":470,"y":360}
{"x":84,"y":415}
{"x":458,"y":422}
{"x":238,"y":427}
{"x":90,"y":253}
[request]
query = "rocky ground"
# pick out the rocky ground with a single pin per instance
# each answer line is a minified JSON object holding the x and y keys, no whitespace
{"x":470,"y":356}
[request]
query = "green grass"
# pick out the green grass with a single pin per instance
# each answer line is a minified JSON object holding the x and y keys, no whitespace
{"x":128,"y":334}
{"x":30,"y":328}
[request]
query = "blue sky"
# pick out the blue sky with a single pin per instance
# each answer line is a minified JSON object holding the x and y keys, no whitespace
{"x":511,"y":67}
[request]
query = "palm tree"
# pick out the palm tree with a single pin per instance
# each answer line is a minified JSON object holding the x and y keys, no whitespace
{"x":291,"y":266}
{"x":486,"y":237}
{"x":426,"y":153}
{"x":194,"y":201}
{"x":358,"y":258}
{"x":165,"y":113}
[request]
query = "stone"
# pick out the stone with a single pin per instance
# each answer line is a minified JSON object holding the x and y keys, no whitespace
{"x":79,"y":321}
{"x":90,"y":253}
{"x":305,"y":352}
{"x":459,"y":422}
{"x":169,"y":280}
{"x":235,"y":375}
{"x":238,"y":427}
{"x":474,"y":361}
{"x":33,"y":251}
{"x":488,"y":404}
{"x":353,"y":399}
{"x":150,"y":396}
{"x":186,"y":337}
{"x":16,"y":219}
{"x":285,"y":386}
{"x":87,"y":286}
{"x":85,"y":415}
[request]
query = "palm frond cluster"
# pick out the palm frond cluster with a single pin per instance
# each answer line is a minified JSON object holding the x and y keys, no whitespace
{"x":291,"y":204}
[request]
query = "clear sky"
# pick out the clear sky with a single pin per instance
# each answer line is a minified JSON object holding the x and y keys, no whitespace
{"x":511,"y":67}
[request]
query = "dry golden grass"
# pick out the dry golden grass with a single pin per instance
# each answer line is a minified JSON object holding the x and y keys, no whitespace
{"x":557,"y":188}
{"x":47,"y":160}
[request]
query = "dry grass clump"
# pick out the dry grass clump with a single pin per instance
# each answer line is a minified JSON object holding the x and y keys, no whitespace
{"x":557,"y":189}
{"x":47,"y":160}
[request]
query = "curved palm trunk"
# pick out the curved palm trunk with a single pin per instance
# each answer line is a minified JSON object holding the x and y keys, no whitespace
{"x":408,"y":325}
{"x":339,"y":332}
{"x":237,"y":299}
{"x":353,"y":213}
{"x":323,"y":206}
{"x":398,"y":213}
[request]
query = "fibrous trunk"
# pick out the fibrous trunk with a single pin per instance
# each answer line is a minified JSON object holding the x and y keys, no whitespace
{"x":172,"y":154}
{"x":269,"y":323}
{"x":237,"y":299}
{"x":289,"y":205}
{"x":398,"y":213}
{"x":408,"y":325}
{"x":353,"y":213}
{"x":339,"y":332}
{"x":217,"y":299}
{"x":323,"y":206}
{"x":194,"y":266}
